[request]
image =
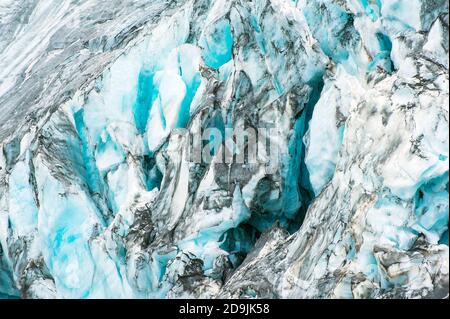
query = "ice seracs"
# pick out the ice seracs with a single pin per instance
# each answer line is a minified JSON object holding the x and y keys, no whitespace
{"x":99,"y":197}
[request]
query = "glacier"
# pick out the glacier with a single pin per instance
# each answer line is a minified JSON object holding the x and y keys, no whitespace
{"x":99,"y":197}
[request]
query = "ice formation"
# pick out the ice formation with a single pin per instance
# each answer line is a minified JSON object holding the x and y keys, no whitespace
{"x":98,"y":197}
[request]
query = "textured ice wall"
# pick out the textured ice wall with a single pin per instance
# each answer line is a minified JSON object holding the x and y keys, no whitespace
{"x":97,"y":198}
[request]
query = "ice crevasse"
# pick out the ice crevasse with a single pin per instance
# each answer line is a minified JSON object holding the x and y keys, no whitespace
{"x":98,"y":196}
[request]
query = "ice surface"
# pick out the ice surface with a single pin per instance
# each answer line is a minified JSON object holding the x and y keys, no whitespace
{"x":98,"y":197}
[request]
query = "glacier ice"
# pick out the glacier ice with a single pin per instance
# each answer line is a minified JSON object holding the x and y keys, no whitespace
{"x":98,"y":197}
